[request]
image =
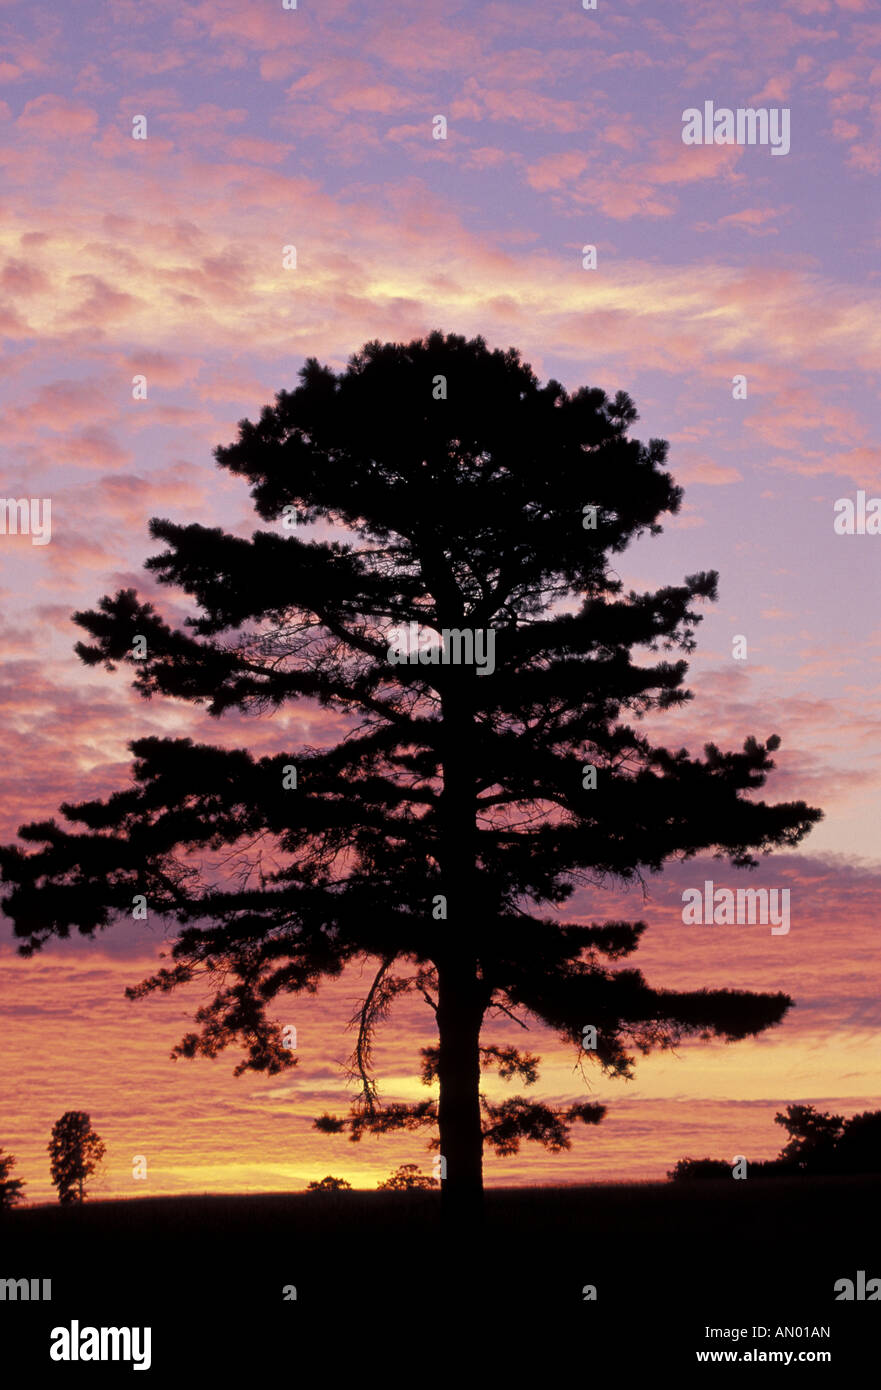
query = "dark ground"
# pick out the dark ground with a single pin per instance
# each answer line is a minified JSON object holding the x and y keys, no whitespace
{"x":374,"y":1275}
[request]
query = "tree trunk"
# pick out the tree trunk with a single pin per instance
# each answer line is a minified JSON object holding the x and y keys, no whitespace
{"x":459,"y":1016}
{"x":461,"y":994}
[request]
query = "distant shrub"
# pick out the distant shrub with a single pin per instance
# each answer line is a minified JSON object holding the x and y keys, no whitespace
{"x":694,"y":1169}
{"x":407,"y":1178}
{"x":329,"y":1184}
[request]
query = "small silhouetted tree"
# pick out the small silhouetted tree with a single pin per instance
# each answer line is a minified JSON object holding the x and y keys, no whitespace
{"x":329,"y":1184}
{"x":859,"y":1148}
{"x":75,"y":1151}
{"x":407,"y":1178}
{"x":459,"y":806}
{"x":11,"y":1189}
{"x":813,"y":1136}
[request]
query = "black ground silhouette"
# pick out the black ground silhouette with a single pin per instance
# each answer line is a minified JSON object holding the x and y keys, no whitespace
{"x":373,"y":1270}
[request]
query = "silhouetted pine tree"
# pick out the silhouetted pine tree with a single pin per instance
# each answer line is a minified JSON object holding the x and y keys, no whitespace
{"x":11,"y":1189}
{"x":437,"y":837}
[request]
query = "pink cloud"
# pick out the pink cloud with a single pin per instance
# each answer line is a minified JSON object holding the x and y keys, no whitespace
{"x":261,"y":28}
{"x":207,"y":117}
{"x":233,"y":384}
{"x":849,"y":101}
{"x":486,"y":157}
{"x":20,"y":278}
{"x":865,"y":157}
{"x":624,"y":190}
{"x":556,"y":170}
{"x":706,"y":471}
{"x":52,"y":115}
{"x":433,"y":45}
{"x":623,"y":133}
{"x":686,"y":164}
{"x":60,"y":406}
{"x":161,"y":368}
{"x":103,"y":303}
{"x":840,"y":78}
{"x":259,"y":151}
{"x":776,"y":89}
{"x":26,"y":60}
{"x":150,"y":61}
{"x":753,"y":220}
{"x":91,"y":448}
{"x":533,"y":110}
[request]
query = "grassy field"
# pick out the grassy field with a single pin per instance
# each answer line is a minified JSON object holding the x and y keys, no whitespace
{"x":666,"y":1261}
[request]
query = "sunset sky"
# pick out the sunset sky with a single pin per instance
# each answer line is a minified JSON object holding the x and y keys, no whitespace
{"x":164,"y":257}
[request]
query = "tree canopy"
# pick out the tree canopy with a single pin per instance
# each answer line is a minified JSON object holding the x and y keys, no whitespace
{"x":75,"y":1151}
{"x":11,"y":1189}
{"x":435,"y":487}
